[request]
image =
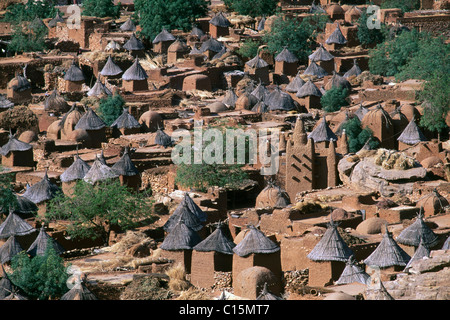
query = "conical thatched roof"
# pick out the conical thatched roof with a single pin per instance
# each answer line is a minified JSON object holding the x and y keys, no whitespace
{"x":316,"y":8}
{"x":255,"y":242}
{"x":56,"y":103}
{"x":336,"y":37}
{"x":446,"y":244}
{"x":163,"y":139}
{"x":421,"y":252}
{"x":308,"y":89}
{"x":354,"y":71}
{"x":418,"y":232}
{"x":52,"y":23}
{"x":43,"y":240}
{"x":219,"y":20}
{"x":352,"y":273}
{"x":361,"y":112}
{"x":260,"y":92}
{"x":331,"y":247}
{"x":14,"y":144}
{"x":211,"y":45}
{"x":217,"y":241}
{"x":230,"y":98}
{"x":189,"y":212}
{"x":134,"y":44}
{"x":25,"y":206}
{"x":295,"y":84}
{"x":9,"y":249}
{"x":163,"y":36}
{"x":180,"y":237}
{"x":279,"y":100}
{"x":126,"y":120}
{"x":261,"y":24}
{"x":90,"y":121}
{"x":337,"y":81}
{"x":110,"y":68}
{"x":125,"y":167}
{"x":112,"y":46}
{"x":378,"y":292}
{"x":260,"y":107}
{"x":74,"y":73}
{"x":322,"y":132}
{"x":77,"y":170}
{"x":286,"y":56}
{"x":42,"y":190}
{"x":5,"y":103}
{"x":135,"y":72}
{"x":388,"y":253}
{"x":321,"y":54}
{"x":272,"y":196}
{"x":79,"y":292}
{"x":256,"y":63}
{"x":128,"y":25}
{"x":266,"y":295}
{"x":19,"y":83}
{"x":99,"y":89}
{"x":412,"y":134}
{"x":6,"y":286}
{"x":196,"y":31}
{"x":14,"y":226}
{"x":99,"y":172}
{"x":315,"y":70}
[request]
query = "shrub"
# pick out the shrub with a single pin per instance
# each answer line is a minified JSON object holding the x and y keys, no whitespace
{"x":249,"y":48}
{"x":358,"y":136}
{"x":110,"y":108}
{"x":334,"y":99}
{"x":100,"y":8}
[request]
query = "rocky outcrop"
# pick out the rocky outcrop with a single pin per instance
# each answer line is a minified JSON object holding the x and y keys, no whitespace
{"x":388,"y":173}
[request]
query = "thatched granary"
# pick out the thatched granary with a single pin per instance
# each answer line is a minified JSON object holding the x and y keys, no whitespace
{"x":110,"y":69}
{"x":99,"y":172}
{"x":14,"y":226}
{"x":191,"y":214}
{"x":336,"y":39}
{"x":322,"y":132}
{"x":9,"y":249}
{"x":17,"y":153}
{"x":214,"y":253}
{"x":19,"y":89}
{"x":76,"y":172}
{"x":24,"y":207}
{"x":338,"y":81}
{"x":418,"y":232}
{"x":163,"y":139}
{"x":315,"y":70}
{"x":295,"y":84}
{"x":211,"y":47}
{"x":135,"y":78}
{"x":352,"y":273}
{"x":219,"y":26}
{"x":258,"y":69}
{"x":94,"y":126}
{"x":432,"y":203}
{"x":128,"y":174}
{"x":311,"y":94}
{"x":272,"y":196}
{"x":162,"y":41}
{"x":280,"y":101}
{"x":411,"y":135}
{"x":260,"y":107}
{"x":134,"y":46}
{"x":128,"y":26}
{"x":380,"y":122}
{"x":388,"y":254}
{"x":54,"y":22}
{"x":230,"y":98}
{"x":56,"y":103}
{"x":99,"y":90}
{"x":354,"y":71}
{"x":323,"y":59}
{"x":74,"y":78}
{"x":421,"y":252}
{"x":125,"y":124}
{"x":260,"y":92}
{"x":43,"y":240}
{"x":41,"y":192}
{"x":286,"y":63}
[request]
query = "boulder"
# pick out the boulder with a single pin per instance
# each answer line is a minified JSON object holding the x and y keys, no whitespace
{"x":250,"y":282}
{"x":371,"y":226}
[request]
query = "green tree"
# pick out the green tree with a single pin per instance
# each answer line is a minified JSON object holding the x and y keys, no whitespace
{"x":20,"y":12}
{"x":8,"y":198}
{"x":249,"y":48}
{"x":404,"y":5}
{"x":358,"y":136}
{"x":436,"y":95}
{"x":110,"y":108}
{"x":24,"y":40}
{"x":334,"y":99}
{"x":41,"y":277}
{"x":297,"y":36}
{"x":154,"y":15}
{"x":100,"y":8}
{"x":370,"y":37}
{"x":254,"y":8}
{"x":93,"y":209}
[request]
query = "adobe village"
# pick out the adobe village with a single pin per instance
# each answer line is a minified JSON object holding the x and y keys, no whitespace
{"x":349,"y":103}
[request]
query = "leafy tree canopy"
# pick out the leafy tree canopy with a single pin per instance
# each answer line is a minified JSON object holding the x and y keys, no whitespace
{"x":20,"y":12}
{"x":154,"y":15}
{"x":404,"y":5}
{"x":334,"y":99}
{"x":7,"y":197}
{"x":253,"y":8}
{"x":24,"y":40}
{"x":369,"y":37}
{"x":100,"y":8}
{"x":110,"y":108}
{"x":358,"y":136}
{"x":249,"y":48}
{"x":93,"y":209}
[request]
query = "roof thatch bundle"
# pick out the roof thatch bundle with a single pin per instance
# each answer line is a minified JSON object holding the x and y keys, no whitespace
{"x":321,"y":54}
{"x":261,"y":24}
{"x":42,"y":191}
{"x":308,"y":89}
{"x":128,"y":25}
{"x":41,"y":243}
{"x":196,"y":31}
{"x":322,"y":132}
{"x":99,"y":172}
{"x":211,"y":45}
{"x":19,"y":83}
{"x":99,"y":89}
{"x":14,"y":144}
{"x":337,"y":81}
{"x":267,"y":295}
{"x":286,"y":56}
{"x":230,"y":98}
{"x":354,"y":70}
{"x":260,"y":92}
{"x":279,"y":100}
{"x":125,"y":167}
{"x":133,"y":44}
{"x":418,"y":232}
{"x":331,"y":247}
{"x":388,"y":253}
{"x":353,"y":273}
{"x":260,"y":107}
{"x":9,"y":249}
{"x":14,"y":226}
{"x":189,"y":212}
{"x":295,"y":84}
{"x":79,"y":292}
{"x":126,"y":120}
{"x":336,"y":37}
{"x":56,"y":103}
{"x":52,"y":23}
{"x":412,"y":134}
{"x":74,"y":73}
{"x":218,"y":241}
{"x":163,"y":139}
{"x":255,"y":242}
{"x":135,"y":72}
{"x":421,"y":252}
{"x":77,"y":170}
{"x":90,"y":121}
{"x":180,"y":237}
{"x":163,"y":36}
{"x":256,"y":63}
{"x":110,"y":68}
{"x":25,"y":206}
{"x":219,"y":20}
{"x":272,"y":196}
{"x":361,"y":112}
